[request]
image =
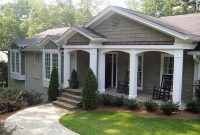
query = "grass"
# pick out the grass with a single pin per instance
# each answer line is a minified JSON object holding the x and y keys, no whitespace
{"x":115,"y":123}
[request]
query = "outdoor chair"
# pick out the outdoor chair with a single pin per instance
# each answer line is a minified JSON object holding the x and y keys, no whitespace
{"x":123,"y":87}
{"x":165,"y":89}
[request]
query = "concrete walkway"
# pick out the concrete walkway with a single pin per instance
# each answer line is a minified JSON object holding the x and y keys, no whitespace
{"x":39,"y":120}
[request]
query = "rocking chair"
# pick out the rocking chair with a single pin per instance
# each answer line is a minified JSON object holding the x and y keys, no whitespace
{"x":123,"y":87}
{"x":165,"y":88}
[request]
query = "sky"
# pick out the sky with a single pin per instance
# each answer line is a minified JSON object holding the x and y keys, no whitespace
{"x":120,"y":3}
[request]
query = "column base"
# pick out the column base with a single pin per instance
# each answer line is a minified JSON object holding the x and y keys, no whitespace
{"x":132,"y":96}
{"x":101,"y":91}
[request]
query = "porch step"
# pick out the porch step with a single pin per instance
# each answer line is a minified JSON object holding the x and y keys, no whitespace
{"x":68,"y":100}
{"x":73,"y":91}
{"x":71,"y":96}
{"x":63,"y":105}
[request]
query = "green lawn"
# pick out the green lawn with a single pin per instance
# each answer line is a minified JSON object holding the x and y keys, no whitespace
{"x":114,"y":123}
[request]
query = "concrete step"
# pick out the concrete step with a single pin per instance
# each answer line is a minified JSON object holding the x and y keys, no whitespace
{"x":73,"y":91}
{"x":70,"y":96}
{"x":65,"y":105}
{"x":68,"y":100}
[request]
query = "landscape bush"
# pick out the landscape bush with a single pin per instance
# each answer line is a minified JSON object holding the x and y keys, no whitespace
{"x":151,"y":105}
{"x":33,"y":97}
{"x":169,"y":107}
{"x":89,"y":93}
{"x":193,"y":106}
{"x":107,"y":99}
{"x":118,"y":101}
{"x":3,"y":74}
{"x":73,"y":81}
{"x":132,"y":104}
{"x":53,"y":85}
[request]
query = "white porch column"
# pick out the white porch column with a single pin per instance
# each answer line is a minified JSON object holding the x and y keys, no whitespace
{"x":66,"y":68}
{"x":93,"y":60}
{"x":133,"y":75}
{"x":178,"y":76}
{"x":101,"y":72}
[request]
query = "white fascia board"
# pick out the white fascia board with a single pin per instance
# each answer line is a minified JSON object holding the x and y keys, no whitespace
{"x":46,"y":39}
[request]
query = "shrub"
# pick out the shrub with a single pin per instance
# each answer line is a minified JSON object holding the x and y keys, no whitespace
{"x":6,"y":130}
{"x":53,"y":85}
{"x":119,"y":101}
{"x":107,"y":99}
{"x":89,"y":93}
{"x":169,"y":107}
{"x":9,"y":93}
{"x":193,"y":106}
{"x":132,"y":104}
{"x":3,"y":74}
{"x":33,"y":97}
{"x":73,"y":81}
{"x":151,"y":105}
{"x":197,"y":94}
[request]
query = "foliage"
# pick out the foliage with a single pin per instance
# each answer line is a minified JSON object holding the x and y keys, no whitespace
{"x":132,"y":104}
{"x":73,"y":81}
{"x":119,"y":101}
{"x":3,"y":74}
{"x":197,"y":94}
{"x":53,"y":85}
{"x":11,"y":99}
{"x":89,"y":93}
{"x":33,"y":97}
{"x":9,"y":92}
{"x":169,"y":107}
{"x":164,"y":7}
{"x":122,"y":123}
{"x":4,"y":130}
{"x":193,"y":106}
{"x":151,"y":105}
{"x":107,"y":99}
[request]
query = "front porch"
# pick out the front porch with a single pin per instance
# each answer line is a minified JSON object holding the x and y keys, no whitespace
{"x":146,"y":68}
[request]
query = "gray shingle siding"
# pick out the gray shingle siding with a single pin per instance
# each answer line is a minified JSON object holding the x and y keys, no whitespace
{"x":78,"y":38}
{"x":124,"y":29}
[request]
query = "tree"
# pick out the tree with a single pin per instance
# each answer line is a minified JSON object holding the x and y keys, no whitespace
{"x":53,"y":85}
{"x":158,"y":7}
{"x":89,"y":93}
{"x":133,"y":5}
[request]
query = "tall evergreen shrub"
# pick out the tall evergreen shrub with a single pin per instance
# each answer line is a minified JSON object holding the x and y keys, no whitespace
{"x":73,"y":81}
{"x":53,"y":85}
{"x":89,"y":91}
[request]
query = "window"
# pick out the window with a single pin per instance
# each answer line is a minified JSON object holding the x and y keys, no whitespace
{"x":140,"y":72}
{"x":15,"y":62}
{"x":51,"y":60}
{"x":168,"y":65}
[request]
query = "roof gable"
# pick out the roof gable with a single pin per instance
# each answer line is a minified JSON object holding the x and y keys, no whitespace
{"x":149,"y":21}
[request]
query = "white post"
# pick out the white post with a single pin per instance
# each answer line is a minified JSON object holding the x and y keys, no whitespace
{"x":133,"y":75}
{"x":66,"y":68}
{"x":177,"y":76}
{"x":101,"y":72}
{"x":93,"y":60}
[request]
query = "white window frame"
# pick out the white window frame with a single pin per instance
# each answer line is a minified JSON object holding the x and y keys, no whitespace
{"x":163,"y":55}
{"x":142,"y":69}
{"x":11,"y":60}
{"x":51,"y":52}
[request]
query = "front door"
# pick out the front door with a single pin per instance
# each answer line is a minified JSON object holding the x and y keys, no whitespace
{"x":111,"y":70}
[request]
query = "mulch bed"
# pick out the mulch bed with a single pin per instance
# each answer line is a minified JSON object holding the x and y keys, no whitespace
{"x":142,"y":111}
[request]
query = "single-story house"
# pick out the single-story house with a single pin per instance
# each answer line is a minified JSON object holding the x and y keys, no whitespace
{"x":115,"y":41}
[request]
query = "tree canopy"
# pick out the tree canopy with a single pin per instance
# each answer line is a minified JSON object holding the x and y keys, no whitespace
{"x":164,"y":7}
{"x":25,"y":18}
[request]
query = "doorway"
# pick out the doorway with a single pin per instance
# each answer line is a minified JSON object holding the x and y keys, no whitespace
{"x":111,"y":70}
